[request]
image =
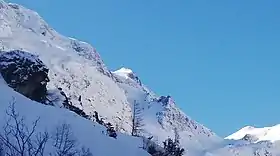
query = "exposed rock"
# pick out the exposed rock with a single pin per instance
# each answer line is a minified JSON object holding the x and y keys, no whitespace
{"x":25,"y":73}
{"x":68,"y":105}
{"x":165,"y":100}
{"x":134,"y":77}
{"x":250,"y":138}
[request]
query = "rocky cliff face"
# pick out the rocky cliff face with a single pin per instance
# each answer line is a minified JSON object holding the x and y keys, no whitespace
{"x":26,"y":73}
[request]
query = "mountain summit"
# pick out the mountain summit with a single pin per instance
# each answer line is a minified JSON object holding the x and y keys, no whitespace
{"x":127,"y":73}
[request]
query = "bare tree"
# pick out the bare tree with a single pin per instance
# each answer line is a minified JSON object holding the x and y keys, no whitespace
{"x":18,"y":139}
{"x":118,"y":128}
{"x":137,"y":119}
{"x":85,"y":152}
{"x":66,"y":144}
{"x":2,"y":149}
{"x":176,"y":136}
{"x":64,"y":141}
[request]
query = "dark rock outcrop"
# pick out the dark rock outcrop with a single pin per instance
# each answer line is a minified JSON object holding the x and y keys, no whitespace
{"x":68,"y":105}
{"x":249,"y":138}
{"x":164,"y":100}
{"x":25,"y":73}
{"x":135,"y":78}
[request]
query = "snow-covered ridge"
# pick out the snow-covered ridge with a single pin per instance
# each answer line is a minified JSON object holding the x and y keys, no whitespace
{"x":261,"y":134}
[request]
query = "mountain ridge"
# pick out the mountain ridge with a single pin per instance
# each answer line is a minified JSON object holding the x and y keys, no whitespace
{"x":260,"y":134}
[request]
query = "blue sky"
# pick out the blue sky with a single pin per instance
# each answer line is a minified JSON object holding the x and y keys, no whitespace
{"x":219,"y":59}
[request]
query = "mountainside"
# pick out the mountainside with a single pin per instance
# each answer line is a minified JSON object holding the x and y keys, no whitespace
{"x":76,"y":69}
{"x":74,"y":66}
{"x":87,"y":133}
{"x":257,"y":134}
{"x":161,"y":116}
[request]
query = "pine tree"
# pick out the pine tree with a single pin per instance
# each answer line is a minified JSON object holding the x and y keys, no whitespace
{"x":137,"y":119}
{"x":172,"y":148}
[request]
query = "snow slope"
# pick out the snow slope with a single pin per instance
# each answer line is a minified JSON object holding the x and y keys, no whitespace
{"x":86,"y":132}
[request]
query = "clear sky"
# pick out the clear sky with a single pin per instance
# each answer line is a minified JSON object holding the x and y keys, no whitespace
{"x":220,"y":60}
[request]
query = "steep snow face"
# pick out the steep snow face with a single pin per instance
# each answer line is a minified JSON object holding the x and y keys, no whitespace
{"x":74,"y":66}
{"x":260,"y":134}
{"x":86,"y":132}
{"x":162,"y":116}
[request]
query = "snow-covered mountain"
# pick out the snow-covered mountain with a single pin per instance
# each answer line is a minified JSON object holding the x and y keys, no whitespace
{"x":162,"y":116}
{"x":257,"y":134}
{"x":76,"y":68}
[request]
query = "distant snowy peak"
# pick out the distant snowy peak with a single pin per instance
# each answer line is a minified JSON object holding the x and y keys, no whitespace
{"x":259,"y":134}
{"x":128,"y":75}
{"x":124,"y":72}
